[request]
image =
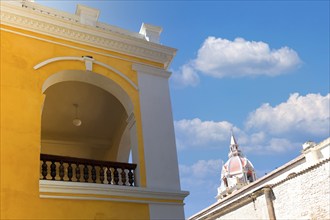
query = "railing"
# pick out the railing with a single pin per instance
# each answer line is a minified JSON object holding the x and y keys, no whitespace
{"x":84,"y":170}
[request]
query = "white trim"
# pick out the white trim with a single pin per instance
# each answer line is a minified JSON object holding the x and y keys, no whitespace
{"x":70,"y":46}
{"x":151,"y":32}
{"x":157,"y":129}
{"x":151,"y":70}
{"x":108,"y":199}
{"x":98,"y":80}
{"x":127,"y":192}
{"x":55,"y":59}
{"x":89,"y":66}
{"x":87,"y":15}
{"x":43,"y":20}
{"x":119,"y":73}
{"x":165,"y":211}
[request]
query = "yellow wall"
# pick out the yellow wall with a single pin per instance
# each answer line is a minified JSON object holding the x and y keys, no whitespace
{"x":21,"y":109}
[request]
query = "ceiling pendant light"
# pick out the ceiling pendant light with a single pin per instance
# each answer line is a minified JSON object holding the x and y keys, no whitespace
{"x":76,"y":121}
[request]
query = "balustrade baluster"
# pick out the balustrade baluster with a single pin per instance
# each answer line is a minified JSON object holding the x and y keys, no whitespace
{"x":123,"y":176}
{"x":61,"y":171}
{"x":130,"y":177}
{"x":53,"y":170}
{"x":93,"y":174}
{"x":86,"y":175}
{"x":70,"y":174}
{"x":78,"y":172}
{"x":109,"y":175}
{"x":101,"y":174}
{"x":44,"y":169}
{"x":116,"y":176}
{"x":75,"y":169}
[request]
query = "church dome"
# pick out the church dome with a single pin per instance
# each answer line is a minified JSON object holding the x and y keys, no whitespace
{"x":235,"y":165}
{"x":237,"y":172}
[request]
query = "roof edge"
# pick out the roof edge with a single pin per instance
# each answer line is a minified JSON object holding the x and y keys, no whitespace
{"x":40,"y":19}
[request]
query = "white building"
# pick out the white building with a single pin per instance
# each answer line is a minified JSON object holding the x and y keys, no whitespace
{"x":299,"y":189}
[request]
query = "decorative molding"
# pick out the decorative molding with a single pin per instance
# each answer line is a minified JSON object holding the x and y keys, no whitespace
{"x":93,"y":191}
{"x":55,"y":59}
{"x":151,"y":70}
{"x":87,"y":15}
{"x":70,"y":46}
{"x":108,"y":199}
{"x":88,"y":64}
{"x":36,"y":18}
{"x":151,"y":32}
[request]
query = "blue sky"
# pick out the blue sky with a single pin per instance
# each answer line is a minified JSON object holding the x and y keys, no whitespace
{"x":259,"y":67}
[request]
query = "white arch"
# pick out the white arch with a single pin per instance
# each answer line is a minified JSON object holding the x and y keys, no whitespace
{"x":113,"y":88}
{"x":94,"y":79}
{"x":88,"y":63}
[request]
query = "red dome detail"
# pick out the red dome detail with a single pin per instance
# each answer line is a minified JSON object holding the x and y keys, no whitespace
{"x":235,"y":164}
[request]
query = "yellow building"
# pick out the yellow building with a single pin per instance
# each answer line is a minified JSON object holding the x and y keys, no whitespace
{"x":81,"y":99}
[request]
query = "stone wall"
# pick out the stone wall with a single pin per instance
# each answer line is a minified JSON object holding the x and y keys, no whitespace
{"x":256,"y":210}
{"x":306,"y":196}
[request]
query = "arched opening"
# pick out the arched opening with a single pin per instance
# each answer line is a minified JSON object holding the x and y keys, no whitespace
{"x":249,"y":176}
{"x":104,"y":135}
{"x":103,"y":120}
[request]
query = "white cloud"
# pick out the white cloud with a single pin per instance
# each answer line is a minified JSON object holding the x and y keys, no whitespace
{"x":224,"y":58}
{"x":201,"y":169}
{"x":197,"y":133}
{"x":257,"y":138}
{"x":200,"y":134}
{"x":299,"y":114}
{"x":201,"y":173}
{"x":187,"y":76}
{"x":271,"y":145}
{"x":268,"y":129}
{"x":220,"y":58}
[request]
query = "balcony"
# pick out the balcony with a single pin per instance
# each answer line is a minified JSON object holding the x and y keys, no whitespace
{"x":70,"y":169}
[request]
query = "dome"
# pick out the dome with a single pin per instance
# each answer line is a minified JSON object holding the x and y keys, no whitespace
{"x":237,"y":172}
{"x":235,"y":165}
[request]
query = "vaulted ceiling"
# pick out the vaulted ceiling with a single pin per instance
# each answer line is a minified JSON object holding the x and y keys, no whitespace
{"x":101,"y":114}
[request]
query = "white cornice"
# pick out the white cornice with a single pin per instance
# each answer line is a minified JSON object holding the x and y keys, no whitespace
{"x":140,"y":68}
{"x":74,"y":190}
{"x":33,"y":17}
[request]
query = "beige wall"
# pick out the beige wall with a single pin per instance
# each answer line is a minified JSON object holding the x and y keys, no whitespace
{"x":306,"y":196}
{"x":256,"y":210}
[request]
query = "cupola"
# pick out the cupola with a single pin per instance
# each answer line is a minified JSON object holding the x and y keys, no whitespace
{"x":237,"y":172}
